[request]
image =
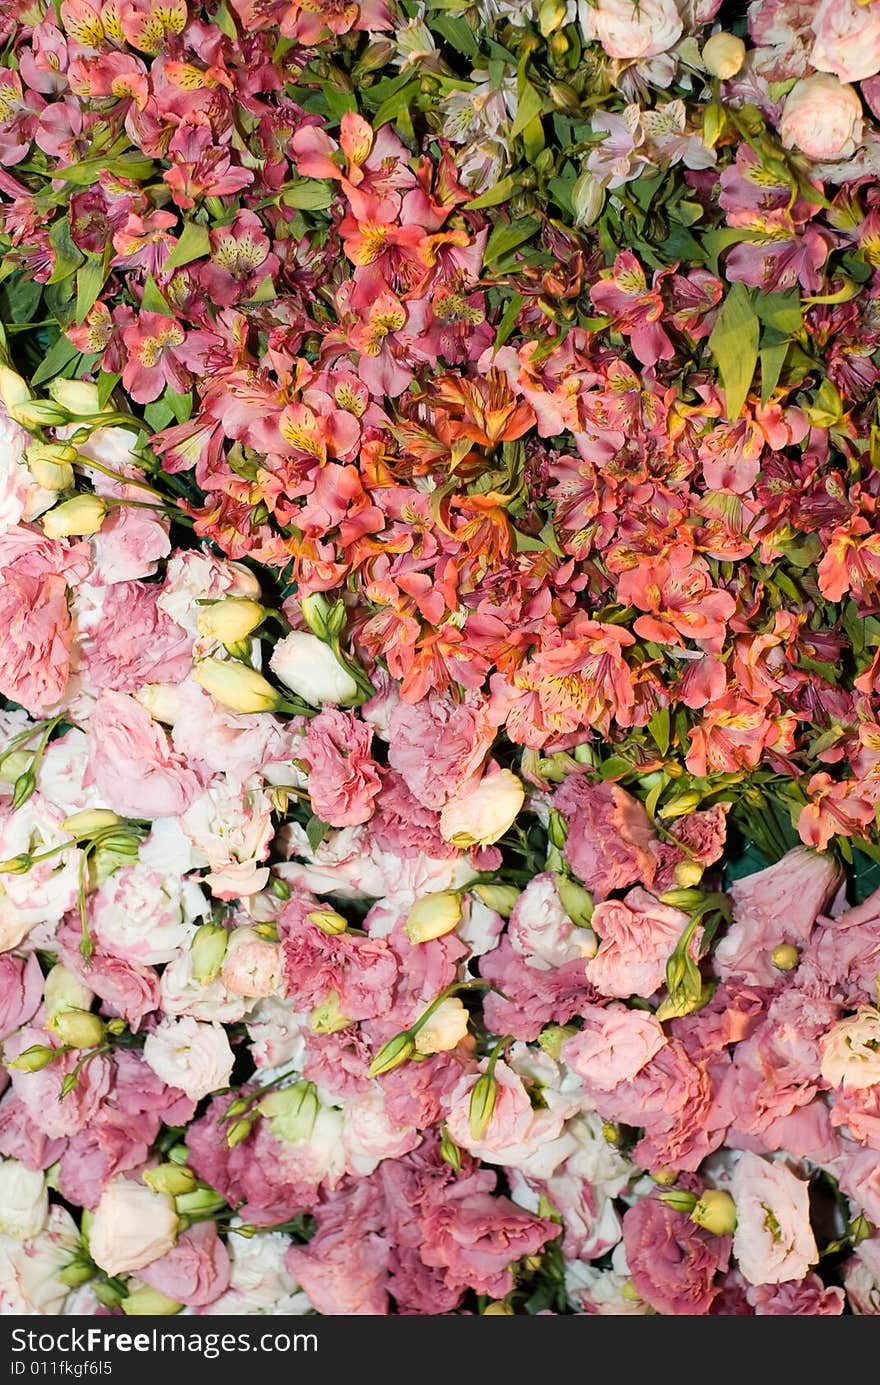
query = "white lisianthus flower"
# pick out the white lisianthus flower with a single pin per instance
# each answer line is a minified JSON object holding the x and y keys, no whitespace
{"x":29,"y":1281}
{"x":131,"y":1227}
{"x":310,"y":669}
{"x":773,"y":1241}
{"x":24,"y":1200}
{"x":445,"y":1029}
{"x":481,"y":815}
{"x":851,"y":1051}
{"x":190,"y":1055}
{"x":632,"y":28}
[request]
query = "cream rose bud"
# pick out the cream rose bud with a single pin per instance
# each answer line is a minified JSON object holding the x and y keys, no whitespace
{"x":131,"y":1227}
{"x":481,"y":816}
{"x":188,"y":1054}
{"x":432,"y":916}
{"x":822,"y":117}
{"x":24,"y":1201}
{"x":230,"y":621}
{"x":162,"y":701}
{"x":251,"y":966}
{"x":236,"y":686}
{"x":78,"y":397}
{"x":82,"y":515}
{"x":724,"y":55}
{"x":445,"y":1028}
{"x":310,"y":668}
{"x":627,"y":29}
{"x":851,"y":1052}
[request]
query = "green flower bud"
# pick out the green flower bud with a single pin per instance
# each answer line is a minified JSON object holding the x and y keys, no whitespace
{"x":208,"y":950}
{"x":553,"y":1037}
{"x":173,"y":1179}
{"x":680,"y":1200}
{"x":78,"y":1029}
{"x":501,"y":898}
{"x":34,"y":1058}
{"x":483,"y":1098}
{"x":329,"y":921}
{"x":16,"y":865}
{"x":449,"y":1150}
{"x":14,"y":764}
{"x":292,"y":1111}
{"x":576,"y":901}
{"x":108,"y":1295}
{"x":557,"y":830}
{"x":230,"y":621}
{"x":236,"y":686}
{"x":89,"y":822}
{"x":279,"y":888}
{"x":202,"y":1202}
{"x":237,"y":1134}
{"x":396,"y":1051}
{"x":785,"y":957}
{"x":149,"y":1303}
{"x":76,"y":1273}
{"x":716,"y":1212}
{"x":328,"y":1018}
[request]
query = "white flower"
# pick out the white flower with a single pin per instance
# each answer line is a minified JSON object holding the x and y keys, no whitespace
{"x":24,"y":1200}
{"x":632,"y":28}
{"x":445,"y":1028}
{"x":188,"y":1054}
{"x":540,"y":929}
{"x":822,"y":117}
{"x":43,"y":894}
{"x":481,"y":815}
{"x":229,"y":823}
{"x":131,"y":1227}
{"x":259,"y":1281}
{"x":29,"y":1269}
{"x":182,"y":994}
{"x":851,"y":1051}
{"x":144,"y":916}
{"x":310,"y":668}
{"x":773,"y":1241}
{"x":279,"y":1035}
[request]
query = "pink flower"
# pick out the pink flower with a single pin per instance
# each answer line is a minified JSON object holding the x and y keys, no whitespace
{"x":796,"y":1299}
{"x":672,"y":1262}
{"x":135,"y":641}
{"x":822,"y":117}
{"x":21,"y":990}
{"x":610,"y":840}
{"x":678,"y":592}
{"x":629,"y":30}
{"x":35,"y":630}
{"x":343,"y":778}
{"x":773,"y":906}
{"x":634,"y":308}
{"x":540,"y":929}
{"x":362,"y":972}
{"x":437,"y":745}
{"x":196,"y":1269}
{"x":132,"y":764}
{"x":614,"y":1044}
{"x":477,"y":1239}
{"x":40,"y":1092}
{"x":847,"y":39}
{"x":637,"y":934}
{"x":344,"y":1267}
{"x":525,"y":999}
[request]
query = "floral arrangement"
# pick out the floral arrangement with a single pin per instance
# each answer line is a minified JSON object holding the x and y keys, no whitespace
{"x":440,"y":657}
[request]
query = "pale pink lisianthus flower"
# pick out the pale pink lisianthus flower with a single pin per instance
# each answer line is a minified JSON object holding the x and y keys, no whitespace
{"x":540,"y":929}
{"x":773,"y":906}
{"x":343,"y":778}
{"x":195,"y":1271}
{"x":611,"y":841}
{"x":773,"y":1241}
{"x":438,"y":745}
{"x":627,"y":29}
{"x":189,"y":1054}
{"x":36,"y":635}
{"x":637,"y":935}
{"x":131,"y":1226}
{"x":847,"y":39}
{"x":672,"y":1263}
{"x":132,"y":763}
{"x":822,"y":117}
{"x":614,"y":1044}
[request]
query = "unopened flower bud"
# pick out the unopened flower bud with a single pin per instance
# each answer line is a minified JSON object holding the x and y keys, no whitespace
{"x":33,"y":1059}
{"x":449,"y":1150}
{"x":683,"y":898}
{"x":666,"y":1176}
{"x":292,"y":1112}
{"x":499,"y":1309}
{"x":279,"y":888}
{"x":687,"y":874}
{"x":329,"y":921}
{"x":715,"y":1211}
{"x":16,"y":865}
{"x":78,"y":1028}
{"x":13,"y":765}
{"x":76,"y":1273}
{"x":396,"y":1051}
{"x":308,"y":666}
{"x":81,"y":515}
{"x":173,"y":1179}
{"x":236,"y":686}
{"x":679,"y":805}
{"x":230,"y":621}
{"x":90,"y":821}
{"x":107,"y":1294}
{"x":576,"y":901}
{"x":483,"y":814}
{"x":500,"y":898}
{"x":78,"y":397}
{"x":553,"y":1037}
{"x":50,"y":465}
{"x":785,"y":957}
{"x":63,"y":990}
{"x":328,"y":1018}
{"x":629,"y":1292}
{"x":551,"y":16}
{"x":13,"y":389}
{"x":557,"y":829}
{"x":207,"y":951}
{"x":432,"y":916}
{"x":161,"y":700}
{"x":444,"y":1028}
{"x":144,"y":1302}
{"x":483,"y":1098}
{"x":587,"y":199}
{"x":679,"y":1199}
{"x":202,"y":1202}
{"x":237,"y":1133}
{"x":723,"y":55}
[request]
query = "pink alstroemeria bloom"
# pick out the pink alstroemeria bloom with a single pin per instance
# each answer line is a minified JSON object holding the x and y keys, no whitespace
{"x":153,"y":344}
{"x":678,"y":593}
{"x":634,"y":309}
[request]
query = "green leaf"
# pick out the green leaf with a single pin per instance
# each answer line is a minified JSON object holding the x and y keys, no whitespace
{"x":396,"y":105}
{"x":781,"y":311}
{"x":311,"y":195}
{"x":193,"y":243}
{"x":55,"y":360}
{"x":181,"y":405}
{"x":508,"y":319}
{"x":500,"y":193}
{"x":90,"y":279}
{"x":772,"y":361}
{"x":659,"y":729}
{"x":107,"y":382}
{"x":506,"y":236}
{"x":530,"y":105}
{"x":153,"y":300}
{"x":224,"y":21}
{"x":67,"y":257}
{"x":458,"y":32}
{"x":158,"y":414}
{"x":316,"y":831}
{"x":734,"y":344}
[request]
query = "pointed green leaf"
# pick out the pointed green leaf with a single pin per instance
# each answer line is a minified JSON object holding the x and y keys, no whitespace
{"x":734,"y":344}
{"x":193,"y":243}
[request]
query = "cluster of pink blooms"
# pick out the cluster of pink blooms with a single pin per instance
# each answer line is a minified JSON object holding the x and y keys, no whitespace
{"x":395,"y":620}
